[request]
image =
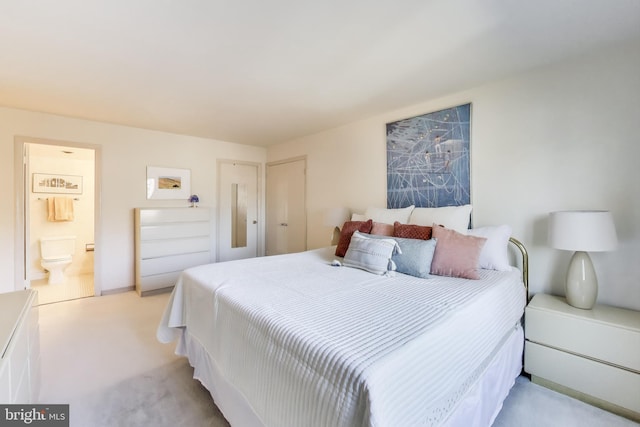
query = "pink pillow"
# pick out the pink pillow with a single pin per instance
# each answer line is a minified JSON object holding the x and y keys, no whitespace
{"x":347,"y":231}
{"x":382,"y":229}
{"x":456,"y":254}
{"x":411,"y":231}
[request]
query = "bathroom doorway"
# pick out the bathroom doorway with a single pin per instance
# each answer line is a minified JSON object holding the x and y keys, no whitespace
{"x":59,"y":200}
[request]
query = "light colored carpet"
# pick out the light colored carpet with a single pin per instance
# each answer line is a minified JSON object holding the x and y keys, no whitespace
{"x":531,"y":405}
{"x":166,"y":396}
{"x":100,"y":356}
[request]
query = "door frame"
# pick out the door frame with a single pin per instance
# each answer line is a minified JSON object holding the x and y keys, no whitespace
{"x":260,"y":203}
{"x":21,"y":249}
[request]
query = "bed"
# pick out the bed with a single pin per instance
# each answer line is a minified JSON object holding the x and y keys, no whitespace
{"x":292,"y":340}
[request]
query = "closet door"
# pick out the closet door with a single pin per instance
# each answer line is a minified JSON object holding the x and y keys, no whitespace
{"x":286,"y":207}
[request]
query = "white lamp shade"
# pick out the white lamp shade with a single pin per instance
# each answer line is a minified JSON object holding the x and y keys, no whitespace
{"x":588,"y":231}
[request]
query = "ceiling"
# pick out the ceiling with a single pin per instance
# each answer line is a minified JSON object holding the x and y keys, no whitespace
{"x":261,"y":72}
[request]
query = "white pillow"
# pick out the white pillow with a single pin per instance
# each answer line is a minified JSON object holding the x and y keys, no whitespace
{"x":389,"y":216}
{"x":452,"y":217}
{"x":494,"y":254}
{"x":358,"y":217}
{"x":372,"y":255}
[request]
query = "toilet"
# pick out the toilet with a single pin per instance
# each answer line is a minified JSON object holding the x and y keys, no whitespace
{"x":56,"y":255}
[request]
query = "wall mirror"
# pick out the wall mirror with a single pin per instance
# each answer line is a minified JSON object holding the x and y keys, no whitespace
{"x":238,"y":215}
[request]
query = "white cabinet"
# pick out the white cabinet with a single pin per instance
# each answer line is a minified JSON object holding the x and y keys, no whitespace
{"x":593,"y":355}
{"x":168,"y":240}
{"x":19,"y":347}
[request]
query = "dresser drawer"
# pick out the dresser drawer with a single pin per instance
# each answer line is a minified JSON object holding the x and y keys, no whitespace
{"x":19,"y":361}
{"x":179,"y":230}
{"x":157,"y":281}
{"x":172,"y":215}
{"x":156,"y":249}
{"x":18,"y":338}
{"x":169,"y":264}
{"x":5,"y":382}
{"x":605,"y":333}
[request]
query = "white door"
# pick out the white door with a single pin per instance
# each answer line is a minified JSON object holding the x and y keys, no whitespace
{"x":237,"y":210}
{"x":286,"y":207}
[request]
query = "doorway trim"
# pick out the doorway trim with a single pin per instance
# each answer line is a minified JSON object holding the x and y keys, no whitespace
{"x":22,"y":206}
{"x":261,"y":229}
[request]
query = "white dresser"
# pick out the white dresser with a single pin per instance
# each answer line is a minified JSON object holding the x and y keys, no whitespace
{"x":168,"y":240}
{"x":593,"y":355}
{"x":19,"y":347}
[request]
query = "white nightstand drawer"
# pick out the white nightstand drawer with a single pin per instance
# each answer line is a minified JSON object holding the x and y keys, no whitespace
{"x":599,"y":380}
{"x":608,"y":334}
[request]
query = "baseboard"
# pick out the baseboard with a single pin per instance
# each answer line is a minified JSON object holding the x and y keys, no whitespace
{"x":155,"y":291}
{"x":587,"y":398}
{"x":38,"y":275}
{"x":117,"y":290}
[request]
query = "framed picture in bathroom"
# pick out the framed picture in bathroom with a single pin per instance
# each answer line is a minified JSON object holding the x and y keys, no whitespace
{"x":59,"y":184}
{"x":168,"y":183}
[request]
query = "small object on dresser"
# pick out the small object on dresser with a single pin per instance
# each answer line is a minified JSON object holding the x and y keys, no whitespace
{"x":194,"y":199}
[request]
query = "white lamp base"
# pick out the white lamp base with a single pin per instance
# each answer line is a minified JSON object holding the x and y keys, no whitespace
{"x":335,"y":235}
{"x":582,"y":284}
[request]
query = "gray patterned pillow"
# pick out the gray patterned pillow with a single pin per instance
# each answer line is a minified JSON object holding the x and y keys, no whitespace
{"x":372,"y":255}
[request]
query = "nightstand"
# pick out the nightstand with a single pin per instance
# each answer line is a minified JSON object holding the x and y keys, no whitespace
{"x":592,"y":355}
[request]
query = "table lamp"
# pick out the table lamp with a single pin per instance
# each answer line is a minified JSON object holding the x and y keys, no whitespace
{"x":582,"y":232}
{"x":336,"y":217}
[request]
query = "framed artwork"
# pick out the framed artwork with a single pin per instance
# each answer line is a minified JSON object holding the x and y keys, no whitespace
{"x":60,"y":184}
{"x":168,"y":183}
{"x":428,"y":162}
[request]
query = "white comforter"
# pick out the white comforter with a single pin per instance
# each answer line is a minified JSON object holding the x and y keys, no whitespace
{"x":309,"y":344}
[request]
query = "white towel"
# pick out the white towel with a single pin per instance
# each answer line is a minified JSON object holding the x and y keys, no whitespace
{"x":60,"y":209}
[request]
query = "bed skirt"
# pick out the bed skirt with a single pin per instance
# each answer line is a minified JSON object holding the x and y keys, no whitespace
{"x":479,"y":407}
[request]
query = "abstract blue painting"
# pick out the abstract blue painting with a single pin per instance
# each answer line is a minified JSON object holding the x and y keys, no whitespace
{"x":428,"y":163}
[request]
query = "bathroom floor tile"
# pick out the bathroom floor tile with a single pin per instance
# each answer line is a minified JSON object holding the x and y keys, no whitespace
{"x":74,"y":287}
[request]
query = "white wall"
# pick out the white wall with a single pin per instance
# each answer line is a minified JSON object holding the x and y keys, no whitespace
{"x":126,"y":152}
{"x":561,"y":137}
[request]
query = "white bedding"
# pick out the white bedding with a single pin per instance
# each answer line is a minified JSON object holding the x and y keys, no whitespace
{"x":305,"y":343}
